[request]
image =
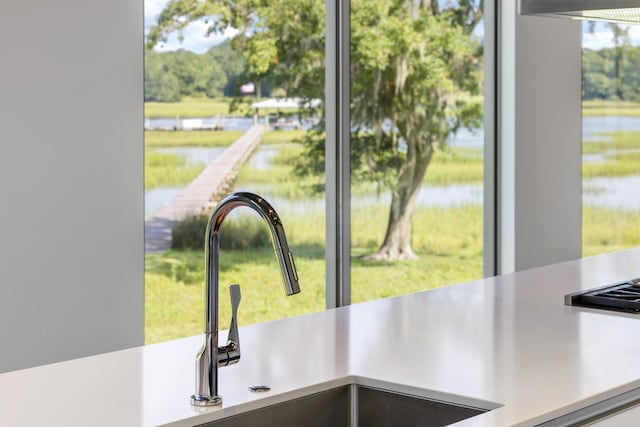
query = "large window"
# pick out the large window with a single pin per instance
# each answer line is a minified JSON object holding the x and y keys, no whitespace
{"x":611,"y":137}
{"x":414,"y":149}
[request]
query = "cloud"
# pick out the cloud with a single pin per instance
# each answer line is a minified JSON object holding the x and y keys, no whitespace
{"x":602,"y":37}
{"x":195,"y":39}
{"x":195,"y":34}
{"x":597,"y":40}
{"x":152,"y":9}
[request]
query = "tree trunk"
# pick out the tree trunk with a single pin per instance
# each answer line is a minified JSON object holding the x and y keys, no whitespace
{"x":397,"y":241}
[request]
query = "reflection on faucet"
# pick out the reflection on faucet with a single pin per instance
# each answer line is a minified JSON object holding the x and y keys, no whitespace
{"x":211,"y":356}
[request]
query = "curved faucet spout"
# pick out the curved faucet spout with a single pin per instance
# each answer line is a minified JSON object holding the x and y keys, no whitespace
{"x":260,"y":205}
{"x":211,"y":355}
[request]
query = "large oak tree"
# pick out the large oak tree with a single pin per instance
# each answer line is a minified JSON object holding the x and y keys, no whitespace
{"x":415,"y":80}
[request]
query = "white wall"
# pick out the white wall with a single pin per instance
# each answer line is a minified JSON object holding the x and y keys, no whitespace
{"x":540,"y":186}
{"x":71,"y":179}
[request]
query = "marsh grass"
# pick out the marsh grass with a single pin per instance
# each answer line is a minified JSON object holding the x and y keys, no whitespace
{"x":158,"y":138}
{"x":448,"y":241}
{"x":608,"y":230}
{"x":609,"y":141}
{"x":282,"y":136}
{"x":175,"y":279}
{"x":168,"y":170}
{"x":203,"y":107}
{"x":610,"y":108}
{"x":615,"y":165}
{"x":621,"y":153}
{"x":189,"y":107}
{"x":451,"y":252}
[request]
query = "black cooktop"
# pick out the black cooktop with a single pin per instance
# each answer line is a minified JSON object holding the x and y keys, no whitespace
{"x":624,"y":296}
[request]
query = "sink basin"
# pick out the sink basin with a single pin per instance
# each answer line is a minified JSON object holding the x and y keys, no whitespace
{"x":350,"y":406}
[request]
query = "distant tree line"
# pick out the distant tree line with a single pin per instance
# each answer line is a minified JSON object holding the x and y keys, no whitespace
{"x":169,"y":76}
{"x":611,"y":74}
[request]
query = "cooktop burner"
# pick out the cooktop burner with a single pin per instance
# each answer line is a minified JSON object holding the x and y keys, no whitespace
{"x":624,"y":296}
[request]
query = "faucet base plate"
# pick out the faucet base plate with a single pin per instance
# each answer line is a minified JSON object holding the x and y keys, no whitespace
{"x":198,"y":400}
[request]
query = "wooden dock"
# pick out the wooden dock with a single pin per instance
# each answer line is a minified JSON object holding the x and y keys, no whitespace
{"x":214,"y":181}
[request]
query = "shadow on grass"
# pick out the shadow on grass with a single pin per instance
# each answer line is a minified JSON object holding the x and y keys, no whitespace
{"x":188,"y":266}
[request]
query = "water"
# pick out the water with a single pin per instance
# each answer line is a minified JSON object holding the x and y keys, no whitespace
{"x":621,"y":193}
{"x":263,"y":157}
{"x":226,"y":122}
{"x":429,"y":196}
{"x":229,"y":123}
{"x":194,"y":155}
{"x":591,"y":126}
{"x":158,"y":198}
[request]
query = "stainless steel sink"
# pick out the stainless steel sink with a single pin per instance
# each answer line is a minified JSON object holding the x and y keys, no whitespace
{"x":353,"y":405}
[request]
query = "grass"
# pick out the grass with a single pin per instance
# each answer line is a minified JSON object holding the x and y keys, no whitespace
{"x":451,"y":251}
{"x":282,"y":136}
{"x":448,"y":241}
{"x":614,"y":165}
{"x":168,"y":170}
{"x":608,"y":230}
{"x":160,"y":138}
{"x":203,"y":107}
{"x":172,"y":170}
{"x":189,"y":107}
{"x":610,"y":108}
{"x":208,"y":107}
{"x":175,"y":287}
{"x":175,"y":279}
{"x":608,"y":141}
{"x":455,"y":166}
{"x":621,"y":152}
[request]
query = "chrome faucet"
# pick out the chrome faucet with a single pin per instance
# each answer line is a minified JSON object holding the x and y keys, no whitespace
{"x":211,"y":356}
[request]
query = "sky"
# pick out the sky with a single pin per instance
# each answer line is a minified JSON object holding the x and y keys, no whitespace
{"x":195,"y":38}
{"x":602,"y":38}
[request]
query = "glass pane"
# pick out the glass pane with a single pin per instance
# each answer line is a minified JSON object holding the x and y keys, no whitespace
{"x":610,"y":137}
{"x":417,"y":145}
{"x":258,"y":76}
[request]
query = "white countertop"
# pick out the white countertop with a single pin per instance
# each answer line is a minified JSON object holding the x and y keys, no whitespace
{"x":507,"y":342}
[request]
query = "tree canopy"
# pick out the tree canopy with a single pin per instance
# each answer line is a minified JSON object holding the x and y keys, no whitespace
{"x":169,"y":76}
{"x":611,"y":73}
{"x":415,"y":79}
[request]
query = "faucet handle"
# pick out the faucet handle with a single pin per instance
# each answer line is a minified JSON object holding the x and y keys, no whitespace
{"x":230,"y":352}
{"x":234,"y":290}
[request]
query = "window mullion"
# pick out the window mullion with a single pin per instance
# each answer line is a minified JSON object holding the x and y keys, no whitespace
{"x":337,"y":154}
